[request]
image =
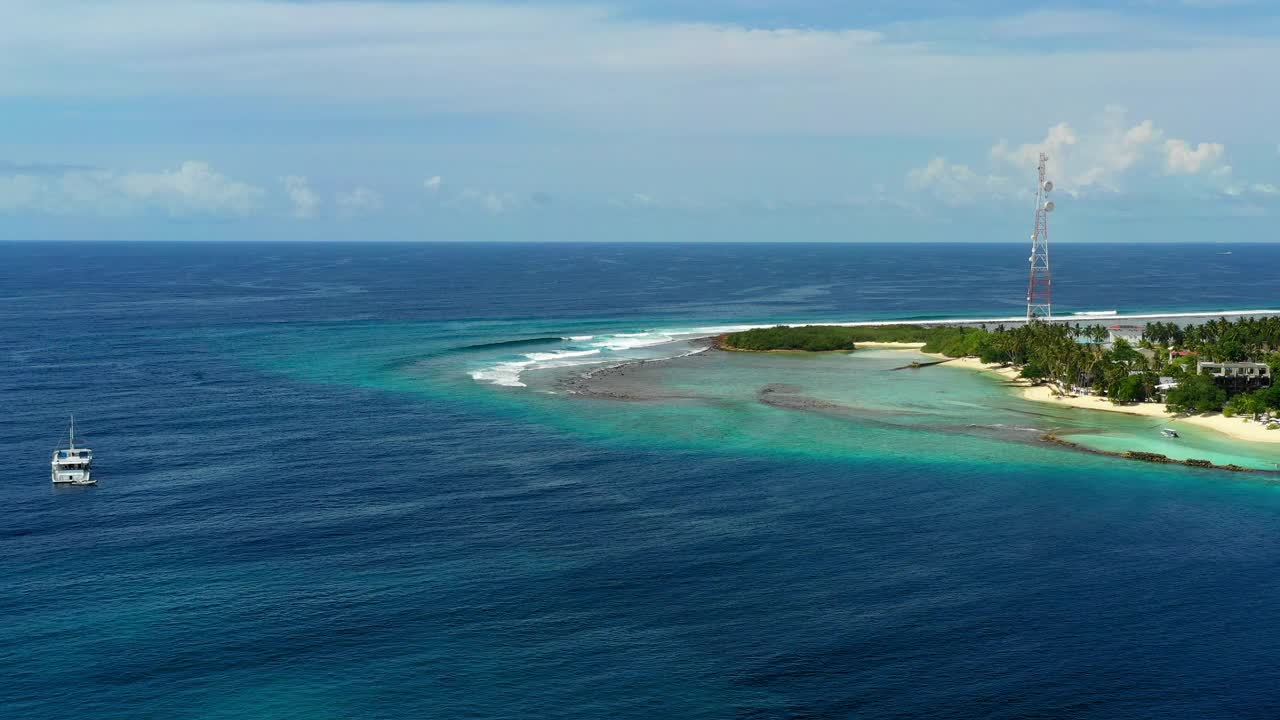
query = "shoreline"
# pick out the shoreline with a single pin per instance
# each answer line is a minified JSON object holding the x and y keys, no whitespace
{"x":607,"y":382}
{"x":617,"y":382}
{"x":718,"y":342}
{"x":891,"y":345}
{"x":1233,"y":427}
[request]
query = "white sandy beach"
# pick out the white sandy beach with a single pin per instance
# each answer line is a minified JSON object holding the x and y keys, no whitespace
{"x":1236,"y":428}
{"x":890,"y":345}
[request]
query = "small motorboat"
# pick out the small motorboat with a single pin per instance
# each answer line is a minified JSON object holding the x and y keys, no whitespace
{"x":1169,"y":433}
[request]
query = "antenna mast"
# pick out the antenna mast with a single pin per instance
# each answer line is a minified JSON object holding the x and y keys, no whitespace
{"x":1039,"y":306}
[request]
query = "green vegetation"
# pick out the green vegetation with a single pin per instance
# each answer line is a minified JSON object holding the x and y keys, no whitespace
{"x":1254,"y":403}
{"x":821,"y":338}
{"x":813,"y":338}
{"x":1221,"y":340}
{"x":1071,"y":356}
{"x":1196,"y":393}
{"x":1132,"y":388}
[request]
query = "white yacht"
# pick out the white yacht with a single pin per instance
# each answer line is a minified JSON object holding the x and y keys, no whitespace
{"x":71,"y":464}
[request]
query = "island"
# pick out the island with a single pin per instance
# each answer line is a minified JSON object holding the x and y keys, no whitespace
{"x":1216,"y":374}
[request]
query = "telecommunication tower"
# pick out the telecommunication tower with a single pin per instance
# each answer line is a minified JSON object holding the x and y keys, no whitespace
{"x":1039,"y":306}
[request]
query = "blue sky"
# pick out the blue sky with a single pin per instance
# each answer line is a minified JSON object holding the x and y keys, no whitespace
{"x":662,"y":120}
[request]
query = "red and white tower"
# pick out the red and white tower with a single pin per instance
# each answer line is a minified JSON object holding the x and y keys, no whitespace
{"x":1039,"y":306}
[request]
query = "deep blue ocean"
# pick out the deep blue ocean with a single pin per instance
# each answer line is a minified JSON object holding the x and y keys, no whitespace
{"x":309,"y":509}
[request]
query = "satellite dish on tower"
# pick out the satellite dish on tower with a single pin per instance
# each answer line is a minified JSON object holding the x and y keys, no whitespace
{"x":1048,"y":185}
{"x":1048,"y":207}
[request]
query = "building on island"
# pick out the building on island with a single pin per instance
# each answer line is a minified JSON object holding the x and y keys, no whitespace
{"x":1237,"y":377}
{"x":1163,"y":386}
{"x":1131,"y":334}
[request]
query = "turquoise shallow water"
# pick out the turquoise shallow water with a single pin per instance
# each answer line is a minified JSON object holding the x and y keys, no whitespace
{"x":310,"y":507}
{"x":875,"y":405}
{"x":929,"y":414}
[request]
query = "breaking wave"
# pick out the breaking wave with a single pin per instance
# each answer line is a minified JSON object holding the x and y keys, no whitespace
{"x":512,"y":343}
{"x":508,"y":373}
{"x":592,"y":349}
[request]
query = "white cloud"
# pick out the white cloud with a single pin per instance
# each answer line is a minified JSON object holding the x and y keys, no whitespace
{"x":305,"y":200}
{"x":1183,"y":159}
{"x":1096,"y":158}
{"x":22,"y":192}
{"x":683,"y":203}
{"x":556,"y":61}
{"x":957,"y":184}
{"x":194,"y":188}
{"x":1060,"y":136}
{"x":1107,"y":156}
{"x":359,"y":201}
{"x":1257,"y":190}
{"x":494,"y":203}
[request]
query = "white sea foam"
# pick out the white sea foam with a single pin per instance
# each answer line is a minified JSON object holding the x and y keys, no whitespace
{"x":632,"y":341}
{"x":508,"y":373}
{"x":650,"y":338}
{"x":542,"y":357}
{"x":631,"y":345}
{"x":615,"y":346}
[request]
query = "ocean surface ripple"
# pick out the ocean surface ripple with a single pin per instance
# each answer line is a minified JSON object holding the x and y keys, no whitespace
{"x":310,"y":509}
